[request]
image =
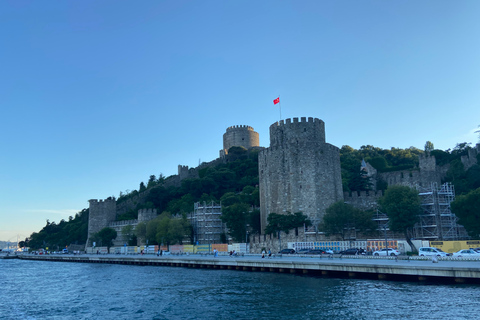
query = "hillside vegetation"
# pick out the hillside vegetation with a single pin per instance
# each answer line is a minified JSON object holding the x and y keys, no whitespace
{"x":236,"y":180}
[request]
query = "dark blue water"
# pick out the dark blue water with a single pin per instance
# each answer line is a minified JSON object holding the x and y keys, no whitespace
{"x":59,"y":290}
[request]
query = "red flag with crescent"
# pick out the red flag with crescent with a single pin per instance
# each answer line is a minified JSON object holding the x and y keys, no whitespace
{"x":276,"y":101}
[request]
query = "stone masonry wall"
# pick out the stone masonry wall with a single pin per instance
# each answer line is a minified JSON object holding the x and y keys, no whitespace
{"x":101,"y":213}
{"x":239,"y":136}
{"x":299,"y":172}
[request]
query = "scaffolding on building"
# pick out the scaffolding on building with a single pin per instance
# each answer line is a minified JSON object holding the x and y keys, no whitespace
{"x":437,"y":222}
{"x":206,"y":222}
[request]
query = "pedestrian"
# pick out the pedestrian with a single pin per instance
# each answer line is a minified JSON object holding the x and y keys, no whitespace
{"x":269,"y":253}
{"x":263,"y":254}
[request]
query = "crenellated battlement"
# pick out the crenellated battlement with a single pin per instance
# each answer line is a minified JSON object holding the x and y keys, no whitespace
{"x":363,"y":194}
{"x":364,"y":199}
{"x":146,"y":214}
{"x":240,"y":128}
{"x":307,"y":130}
{"x":96,"y":201}
{"x":303,"y":120}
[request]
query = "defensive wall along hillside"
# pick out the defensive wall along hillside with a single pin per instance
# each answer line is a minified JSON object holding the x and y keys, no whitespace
{"x":299,"y":172}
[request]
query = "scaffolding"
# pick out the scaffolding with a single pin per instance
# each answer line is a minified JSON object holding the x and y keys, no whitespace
{"x":206,"y":222}
{"x":437,"y":222}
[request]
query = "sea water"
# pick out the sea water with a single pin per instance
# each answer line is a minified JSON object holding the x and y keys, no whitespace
{"x":60,"y":290}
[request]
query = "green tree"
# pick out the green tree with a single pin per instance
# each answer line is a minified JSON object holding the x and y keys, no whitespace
{"x":105,"y":237}
{"x":344,"y":219}
{"x":402,"y":206}
{"x":129,"y":233}
{"x":467,"y":209}
{"x":141,"y":231}
{"x":286,"y":222}
{"x":235,"y":216}
{"x":429,"y":146}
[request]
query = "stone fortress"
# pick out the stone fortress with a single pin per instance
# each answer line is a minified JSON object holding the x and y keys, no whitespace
{"x":298,"y":172}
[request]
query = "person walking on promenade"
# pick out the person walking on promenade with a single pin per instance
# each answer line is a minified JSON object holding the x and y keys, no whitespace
{"x":269,"y":254}
{"x":263,"y":254}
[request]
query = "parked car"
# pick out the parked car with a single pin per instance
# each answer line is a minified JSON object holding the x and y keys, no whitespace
{"x":286,"y":251}
{"x":466,"y":253}
{"x":353,"y":251}
{"x":315,"y":251}
{"x":302,"y":251}
{"x":431,"y":251}
{"x":383,"y":252}
{"x":328,"y":251}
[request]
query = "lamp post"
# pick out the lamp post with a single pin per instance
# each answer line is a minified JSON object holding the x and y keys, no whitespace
{"x":279,"y":241}
{"x":386,"y":241}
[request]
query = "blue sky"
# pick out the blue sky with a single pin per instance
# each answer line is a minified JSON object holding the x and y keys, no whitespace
{"x":96,"y":96}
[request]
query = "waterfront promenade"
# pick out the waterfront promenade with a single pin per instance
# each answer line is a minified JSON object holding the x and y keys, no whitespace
{"x":382,"y":268}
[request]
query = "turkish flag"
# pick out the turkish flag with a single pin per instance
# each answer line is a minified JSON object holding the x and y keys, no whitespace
{"x":276,"y":100}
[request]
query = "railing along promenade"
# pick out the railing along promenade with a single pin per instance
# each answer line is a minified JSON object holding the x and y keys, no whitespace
{"x":456,"y":270}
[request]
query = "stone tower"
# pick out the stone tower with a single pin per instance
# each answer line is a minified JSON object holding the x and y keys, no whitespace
{"x":101,"y":213}
{"x":299,"y":172}
{"x":239,"y":136}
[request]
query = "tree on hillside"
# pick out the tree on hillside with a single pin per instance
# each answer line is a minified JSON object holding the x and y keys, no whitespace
{"x":429,"y":146}
{"x":105,"y":237}
{"x":141,"y":231}
{"x":167,"y":229}
{"x":343,"y":219}
{"x":239,"y":213}
{"x":402,"y":206}
{"x":467,"y":209}
{"x":286,"y":222}
{"x":235,"y":216}
{"x":129,"y":233}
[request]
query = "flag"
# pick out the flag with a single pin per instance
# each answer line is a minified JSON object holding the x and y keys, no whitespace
{"x":276,"y":100}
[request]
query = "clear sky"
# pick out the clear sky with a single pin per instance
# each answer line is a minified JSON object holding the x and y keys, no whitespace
{"x":96,"y":96}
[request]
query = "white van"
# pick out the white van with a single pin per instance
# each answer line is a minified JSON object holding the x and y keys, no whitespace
{"x":431,"y":251}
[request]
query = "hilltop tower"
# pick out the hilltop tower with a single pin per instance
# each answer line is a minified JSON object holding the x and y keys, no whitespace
{"x":239,"y":136}
{"x":299,"y":172}
{"x":101,"y":213}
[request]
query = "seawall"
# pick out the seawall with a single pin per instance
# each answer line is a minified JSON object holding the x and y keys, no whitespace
{"x":351,"y":267}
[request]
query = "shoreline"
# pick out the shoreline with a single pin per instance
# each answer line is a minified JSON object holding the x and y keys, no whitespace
{"x":340,"y":267}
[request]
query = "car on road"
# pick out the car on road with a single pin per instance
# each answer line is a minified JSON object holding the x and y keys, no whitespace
{"x":328,"y":251}
{"x":353,"y":251}
{"x":383,"y":252}
{"x":315,"y":251}
{"x":431,"y":251}
{"x":466,"y":253}
{"x":302,"y":251}
{"x":286,"y":251}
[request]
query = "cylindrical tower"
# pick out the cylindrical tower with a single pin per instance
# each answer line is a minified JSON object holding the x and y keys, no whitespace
{"x":239,"y":136}
{"x":100,"y":214}
{"x":299,"y":172}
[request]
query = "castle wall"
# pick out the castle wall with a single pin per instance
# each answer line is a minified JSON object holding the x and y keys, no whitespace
{"x":239,"y":136}
{"x":101,"y":213}
{"x":426,"y":174}
{"x":363,"y":200}
{"x":471,"y":158}
{"x":299,"y":172}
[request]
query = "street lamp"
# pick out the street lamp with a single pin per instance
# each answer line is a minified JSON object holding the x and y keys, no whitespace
{"x":386,"y":241}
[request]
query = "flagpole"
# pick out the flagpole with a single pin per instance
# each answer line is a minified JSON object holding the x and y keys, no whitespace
{"x":280,"y":106}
